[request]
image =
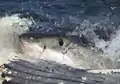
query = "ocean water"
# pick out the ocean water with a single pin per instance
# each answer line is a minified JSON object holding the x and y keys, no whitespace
{"x":97,"y":20}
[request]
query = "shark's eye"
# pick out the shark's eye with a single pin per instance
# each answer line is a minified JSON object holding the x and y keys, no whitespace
{"x":44,"y":47}
{"x":61,"y":42}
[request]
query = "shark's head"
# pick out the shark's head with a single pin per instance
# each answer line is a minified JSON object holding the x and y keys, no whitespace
{"x":52,"y":47}
{"x":59,"y":48}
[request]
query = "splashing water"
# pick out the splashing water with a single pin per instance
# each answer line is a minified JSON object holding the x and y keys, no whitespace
{"x":111,"y":48}
{"x":10,"y":28}
{"x":108,"y":47}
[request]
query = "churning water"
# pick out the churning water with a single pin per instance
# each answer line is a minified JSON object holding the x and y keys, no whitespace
{"x":10,"y":28}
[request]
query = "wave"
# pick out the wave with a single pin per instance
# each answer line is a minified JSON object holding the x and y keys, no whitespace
{"x":10,"y":28}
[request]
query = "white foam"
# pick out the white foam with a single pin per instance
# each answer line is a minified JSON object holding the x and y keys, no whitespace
{"x":104,"y":71}
{"x":113,"y":46}
{"x":10,"y":28}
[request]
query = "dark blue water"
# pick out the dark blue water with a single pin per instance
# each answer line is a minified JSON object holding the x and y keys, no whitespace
{"x":65,"y":15}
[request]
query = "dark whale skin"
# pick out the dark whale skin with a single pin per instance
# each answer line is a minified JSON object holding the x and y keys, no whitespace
{"x":48,"y":72}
